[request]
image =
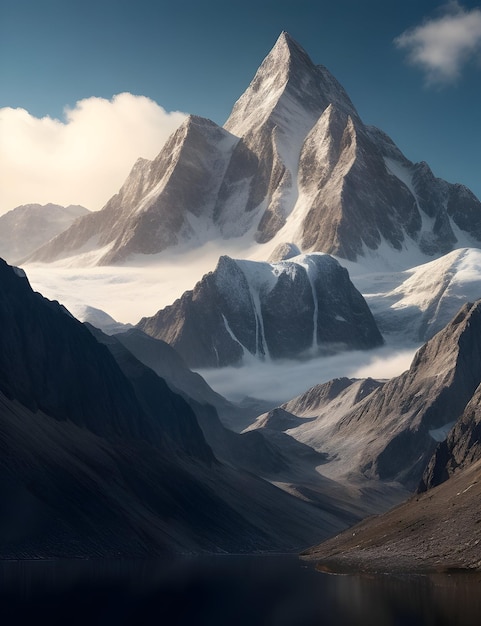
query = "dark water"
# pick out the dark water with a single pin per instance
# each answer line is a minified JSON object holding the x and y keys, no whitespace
{"x":230,"y":591}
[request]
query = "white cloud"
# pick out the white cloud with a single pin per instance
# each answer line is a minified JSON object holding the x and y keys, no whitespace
{"x":84,"y":159}
{"x":442,"y":46}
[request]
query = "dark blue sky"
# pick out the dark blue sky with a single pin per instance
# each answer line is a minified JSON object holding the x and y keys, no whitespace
{"x":198,"y":57}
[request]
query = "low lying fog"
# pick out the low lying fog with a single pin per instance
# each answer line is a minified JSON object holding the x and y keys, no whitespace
{"x":282,"y":380}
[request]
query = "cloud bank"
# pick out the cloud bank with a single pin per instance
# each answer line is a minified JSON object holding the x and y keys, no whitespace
{"x":84,"y":159}
{"x":443,"y":46}
{"x":280,"y":381}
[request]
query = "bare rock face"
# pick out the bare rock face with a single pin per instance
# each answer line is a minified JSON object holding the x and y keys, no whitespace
{"x":294,"y":161}
{"x":280,"y":310}
{"x":460,"y":449}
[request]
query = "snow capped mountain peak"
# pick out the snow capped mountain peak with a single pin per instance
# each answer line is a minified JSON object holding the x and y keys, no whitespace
{"x":286,"y":50}
{"x":293,"y":163}
{"x":286,"y":80}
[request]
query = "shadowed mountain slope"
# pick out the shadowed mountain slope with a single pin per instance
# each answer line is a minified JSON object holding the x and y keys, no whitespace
{"x":102,"y":458}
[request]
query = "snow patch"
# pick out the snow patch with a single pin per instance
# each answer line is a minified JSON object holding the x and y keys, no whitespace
{"x":233,"y":337}
{"x":403,"y":172}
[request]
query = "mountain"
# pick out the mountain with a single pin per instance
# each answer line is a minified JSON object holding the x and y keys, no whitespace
{"x":435,"y":530}
{"x":389,"y":430}
{"x":461,"y":448}
{"x":294,"y":164}
{"x":412,"y":306}
{"x":302,"y":306}
{"x":27,"y":227}
{"x":98,"y":457}
{"x":98,"y":318}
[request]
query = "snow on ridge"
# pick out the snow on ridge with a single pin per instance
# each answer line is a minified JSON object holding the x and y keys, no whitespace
{"x":260,"y":275}
{"x":263,"y":276}
{"x":403,"y":173}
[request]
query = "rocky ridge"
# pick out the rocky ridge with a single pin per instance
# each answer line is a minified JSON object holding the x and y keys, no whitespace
{"x":438,"y":529}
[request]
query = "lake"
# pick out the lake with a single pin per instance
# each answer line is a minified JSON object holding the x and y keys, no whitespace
{"x":228,"y":591}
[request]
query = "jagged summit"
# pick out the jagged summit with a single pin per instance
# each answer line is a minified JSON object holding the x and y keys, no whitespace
{"x":293,"y":163}
{"x":286,"y":78}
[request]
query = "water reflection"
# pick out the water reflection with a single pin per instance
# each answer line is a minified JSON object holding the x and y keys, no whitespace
{"x":230,"y":591}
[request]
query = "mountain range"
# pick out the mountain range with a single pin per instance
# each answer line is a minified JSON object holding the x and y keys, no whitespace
{"x":400,"y":421}
{"x":27,"y":227}
{"x":112,"y":445}
{"x":99,"y":457}
{"x":293,"y":164}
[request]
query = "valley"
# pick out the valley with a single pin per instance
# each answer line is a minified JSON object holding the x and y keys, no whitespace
{"x":270,"y":333}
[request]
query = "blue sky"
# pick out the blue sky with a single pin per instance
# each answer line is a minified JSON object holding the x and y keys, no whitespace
{"x":198,"y":57}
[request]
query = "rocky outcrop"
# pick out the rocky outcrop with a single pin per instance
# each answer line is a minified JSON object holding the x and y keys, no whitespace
{"x":282,"y":310}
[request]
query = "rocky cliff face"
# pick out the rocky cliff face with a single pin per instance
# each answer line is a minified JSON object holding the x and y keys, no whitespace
{"x":460,"y":449}
{"x":281,"y":310}
{"x":293,"y":164}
